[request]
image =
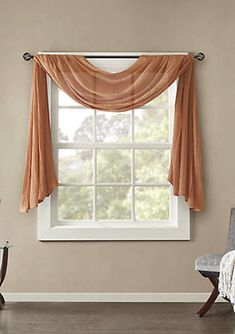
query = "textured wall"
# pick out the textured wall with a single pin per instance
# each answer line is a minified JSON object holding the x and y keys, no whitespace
{"x":121,"y":25}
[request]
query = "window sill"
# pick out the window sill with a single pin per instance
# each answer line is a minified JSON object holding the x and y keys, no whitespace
{"x":177,"y":229}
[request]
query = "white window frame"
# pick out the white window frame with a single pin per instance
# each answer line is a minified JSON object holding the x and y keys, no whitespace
{"x":51,"y":230}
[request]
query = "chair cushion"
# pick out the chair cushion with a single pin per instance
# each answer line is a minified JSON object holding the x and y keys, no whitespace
{"x":209,"y":262}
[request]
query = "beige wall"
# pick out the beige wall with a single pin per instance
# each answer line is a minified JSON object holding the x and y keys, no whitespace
{"x":121,"y":25}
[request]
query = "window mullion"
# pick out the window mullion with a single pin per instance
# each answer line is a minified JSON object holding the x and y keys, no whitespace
{"x":160,"y":146}
{"x":109,"y":184}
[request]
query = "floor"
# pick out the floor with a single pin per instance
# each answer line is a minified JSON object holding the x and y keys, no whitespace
{"x":114,"y":318}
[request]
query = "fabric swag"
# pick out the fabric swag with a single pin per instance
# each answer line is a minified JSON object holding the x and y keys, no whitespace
{"x":146,"y":79}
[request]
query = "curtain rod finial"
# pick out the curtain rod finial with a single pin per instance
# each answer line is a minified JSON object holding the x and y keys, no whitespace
{"x":27,"y":56}
{"x":200,"y":56}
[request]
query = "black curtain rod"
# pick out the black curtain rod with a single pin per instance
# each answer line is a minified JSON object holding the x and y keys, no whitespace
{"x":28,"y":56}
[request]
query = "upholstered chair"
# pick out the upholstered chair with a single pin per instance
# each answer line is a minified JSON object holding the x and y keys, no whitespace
{"x":209,"y":265}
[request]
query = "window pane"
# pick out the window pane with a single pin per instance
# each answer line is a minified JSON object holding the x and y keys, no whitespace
{"x":151,"y":166}
{"x":151,"y":125}
{"x":75,"y":203}
{"x":113,"y":203}
{"x":75,"y":166}
{"x":75,"y":125}
{"x":65,"y":100}
{"x":113,"y":166}
{"x":152,"y":203}
{"x":113,"y":127}
{"x":161,"y":100}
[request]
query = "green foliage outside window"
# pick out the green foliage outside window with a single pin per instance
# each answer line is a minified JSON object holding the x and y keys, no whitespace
{"x":113,"y":202}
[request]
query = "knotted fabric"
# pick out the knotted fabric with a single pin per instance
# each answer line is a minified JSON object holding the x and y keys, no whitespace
{"x":142,"y":82}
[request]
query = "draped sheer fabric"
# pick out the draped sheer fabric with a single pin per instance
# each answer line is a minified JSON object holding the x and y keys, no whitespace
{"x":146,"y":79}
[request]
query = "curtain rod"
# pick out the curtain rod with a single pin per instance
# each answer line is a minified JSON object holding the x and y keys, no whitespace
{"x":199,"y":56}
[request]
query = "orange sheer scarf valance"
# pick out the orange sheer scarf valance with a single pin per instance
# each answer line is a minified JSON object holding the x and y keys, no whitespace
{"x":146,"y":79}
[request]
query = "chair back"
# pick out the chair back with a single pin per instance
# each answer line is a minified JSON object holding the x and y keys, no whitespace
{"x":231,"y":232}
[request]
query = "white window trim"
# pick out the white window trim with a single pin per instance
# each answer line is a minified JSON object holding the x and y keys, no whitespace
{"x":48,"y":230}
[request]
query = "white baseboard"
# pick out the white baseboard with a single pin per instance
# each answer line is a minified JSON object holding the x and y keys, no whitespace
{"x":108,"y":297}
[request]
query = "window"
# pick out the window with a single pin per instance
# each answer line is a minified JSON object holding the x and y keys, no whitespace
{"x":112,"y":171}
